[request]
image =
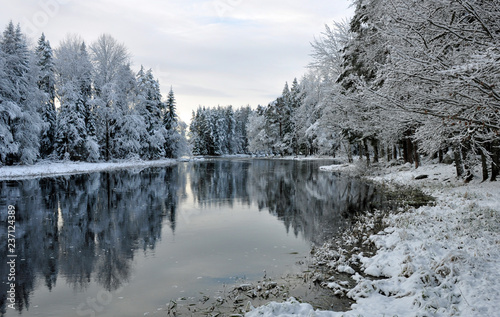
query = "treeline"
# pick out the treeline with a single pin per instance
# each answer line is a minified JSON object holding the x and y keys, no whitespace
{"x":400,"y":80}
{"x":81,"y":103}
{"x":219,"y":131}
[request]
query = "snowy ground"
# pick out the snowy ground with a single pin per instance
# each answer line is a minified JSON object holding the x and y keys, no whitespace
{"x":440,"y":260}
{"x":68,"y":168}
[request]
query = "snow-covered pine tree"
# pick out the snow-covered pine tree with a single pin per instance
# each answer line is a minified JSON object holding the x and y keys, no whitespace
{"x":170,"y":122}
{"x":241,"y":117}
{"x":90,"y":115}
{"x":194,"y":132}
{"x":23,"y":121}
{"x":219,"y":131}
{"x":46,"y":83}
{"x":129,"y":126}
{"x":260,"y":141}
{"x":72,"y":134}
{"x":9,"y":111}
{"x":170,"y":115}
{"x":151,"y":108}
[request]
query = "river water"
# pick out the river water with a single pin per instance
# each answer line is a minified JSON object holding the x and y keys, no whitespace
{"x":128,"y":243}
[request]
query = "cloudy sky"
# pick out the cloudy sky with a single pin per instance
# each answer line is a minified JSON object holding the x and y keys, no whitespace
{"x":212,"y":52}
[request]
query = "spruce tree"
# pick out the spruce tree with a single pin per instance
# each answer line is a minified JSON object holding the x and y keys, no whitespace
{"x":46,"y":83}
{"x":74,"y":120}
{"x":170,"y":122}
{"x":151,"y":108}
{"x":22,"y":122}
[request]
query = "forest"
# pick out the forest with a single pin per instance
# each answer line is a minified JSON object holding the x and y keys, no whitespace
{"x":400,"y":80}
{"x":81,"y":103}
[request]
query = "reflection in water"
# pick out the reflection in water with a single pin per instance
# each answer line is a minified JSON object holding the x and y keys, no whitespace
{"x":88,"y":228}
{"x":84,"y":227}
{"x":313,"y":203}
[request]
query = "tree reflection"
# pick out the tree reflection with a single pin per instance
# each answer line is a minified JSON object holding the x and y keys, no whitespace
{"x":85,"y":227}
{"x":310,"y":202}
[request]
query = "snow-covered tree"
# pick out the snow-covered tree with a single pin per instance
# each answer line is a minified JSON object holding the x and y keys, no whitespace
{"x":46,"y":83}
{"x":75,"y":136}
{"x":173,"y":143}
{"x":151,"y":107}
{"x":259,"y":141}
{"x":20,"y":121}
{"x":219,"y":131}
{"x":442,"y":73}
{"x":9,"y":111}
{"x":128,"y":127}
{"x":108,"y":56}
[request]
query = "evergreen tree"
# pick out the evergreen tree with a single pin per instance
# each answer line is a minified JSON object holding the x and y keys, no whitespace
{"x":85,"y":79}
{"x":23,"y":123}
{"x":75,"y":125}
{"x":170,"y":116}
{"x":151,"y":108}
{"x":170,"y":121}
{"x":129,"y":126}
{"x":219,"y":131}
{"x":9,"y":111}
{"x":46,"y":83}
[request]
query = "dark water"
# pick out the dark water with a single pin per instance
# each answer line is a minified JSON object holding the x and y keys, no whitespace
{"x":126,"y":243}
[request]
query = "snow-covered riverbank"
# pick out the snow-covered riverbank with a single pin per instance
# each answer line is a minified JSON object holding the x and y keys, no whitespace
{"x":68,"y":168}
{"x":440,"y":260}
{"x":47,"y":169}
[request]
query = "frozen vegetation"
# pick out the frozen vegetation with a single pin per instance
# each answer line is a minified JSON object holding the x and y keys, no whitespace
{"x":441,"y":259}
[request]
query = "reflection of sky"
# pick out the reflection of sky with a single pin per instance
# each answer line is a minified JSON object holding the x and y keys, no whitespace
{"x":208,"y":249}
{"x":221,"y":244}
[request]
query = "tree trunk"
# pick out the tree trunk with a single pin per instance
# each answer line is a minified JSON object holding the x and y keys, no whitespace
{"x":484,"y":165}
{"x":416,"y":155}
{"x":367,"y":152}
{"x":405,"y":151}
{"x":408,"y":151}
{"x":467,"y":169}
{"x":395,"y":152}
{"x":495,"y":160}
{"x":107,"y":140}
{"x":349,"y":152}
{"x":375,"y":150}
{"x":458,"y":160}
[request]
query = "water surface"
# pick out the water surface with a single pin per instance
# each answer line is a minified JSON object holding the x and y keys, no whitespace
{"x":126,"y":243}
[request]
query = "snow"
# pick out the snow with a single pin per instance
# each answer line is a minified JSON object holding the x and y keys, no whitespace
{"x":46,"y":169}
{"x":437,"y":260}
{"x":339,"y":168}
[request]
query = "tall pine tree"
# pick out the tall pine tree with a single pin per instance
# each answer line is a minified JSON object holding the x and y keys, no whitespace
{"x":22,"y":122}
{"x":46,"y":83}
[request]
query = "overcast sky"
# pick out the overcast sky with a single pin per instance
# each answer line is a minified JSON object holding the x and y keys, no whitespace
{"x":212,"y":52}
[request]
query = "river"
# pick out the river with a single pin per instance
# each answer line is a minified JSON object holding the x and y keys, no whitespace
{"x":131,"y":242}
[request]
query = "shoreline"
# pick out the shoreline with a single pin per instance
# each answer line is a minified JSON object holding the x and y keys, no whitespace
{"x":54,"y":169}
{"x":61,"y":168}
{"x":440,"y":259}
